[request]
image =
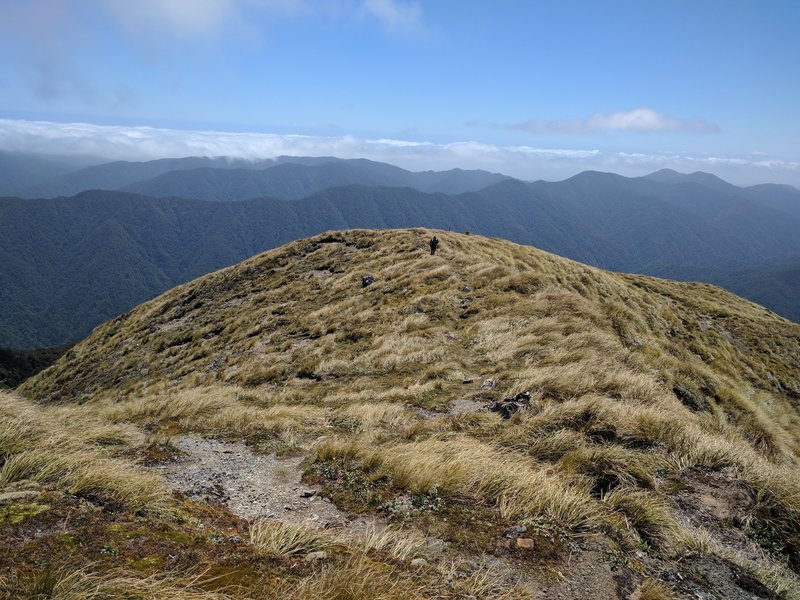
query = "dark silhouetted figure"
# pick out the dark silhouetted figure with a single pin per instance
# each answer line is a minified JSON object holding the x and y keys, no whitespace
{"x":434,"y":245}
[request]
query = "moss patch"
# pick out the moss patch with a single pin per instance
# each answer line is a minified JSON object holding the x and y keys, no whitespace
{"x":13,"y":514}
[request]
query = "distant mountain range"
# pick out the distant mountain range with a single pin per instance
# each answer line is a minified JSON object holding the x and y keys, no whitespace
{"x":227,"y":179}
{"x":72,"y":263}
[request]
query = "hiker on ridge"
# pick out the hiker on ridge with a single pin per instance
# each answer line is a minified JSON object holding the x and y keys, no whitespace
{"x":434,"y":244}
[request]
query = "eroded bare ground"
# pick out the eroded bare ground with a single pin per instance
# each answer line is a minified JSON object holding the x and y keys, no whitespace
{"x":251,"y":485}
{"x":254,"y":486}
{"x":258,"y":486}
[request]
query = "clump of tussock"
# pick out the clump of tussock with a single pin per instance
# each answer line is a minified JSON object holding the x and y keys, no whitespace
{"x":62,"y":583}
{"x":287,"y":539}
{"x":401,"y":544}
{"x":464,"y":465}
{"x":643,"y":513}
{"x":359,"y":578}
{"x":608,"y":467}
{"x":37,"y":447}
{"x":653,"y":589}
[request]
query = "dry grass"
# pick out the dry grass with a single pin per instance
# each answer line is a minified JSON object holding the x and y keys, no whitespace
{"x":63,"y":584}
{"x":287,"y":539}
{"x":652,"y":589}
{"x":643,"y":513}
{"x":36,"y":446}
{"x":356,"y":579}
{"x":400,"y":544}
{"x":288,"y":349}
{"x":463,"y":465}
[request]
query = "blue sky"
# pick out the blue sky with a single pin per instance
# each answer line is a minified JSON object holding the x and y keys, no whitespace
{"x":534,"y":89}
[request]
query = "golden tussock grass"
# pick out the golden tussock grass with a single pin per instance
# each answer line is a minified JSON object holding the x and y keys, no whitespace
{"x":463,"y":465}
{"x":84,"y":584}
{"x":287,"y":539}
{"x":633,"y":379}
{"x":35,"y":446}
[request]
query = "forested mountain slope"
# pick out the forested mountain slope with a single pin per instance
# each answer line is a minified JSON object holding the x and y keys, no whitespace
{"x":73,"y":262}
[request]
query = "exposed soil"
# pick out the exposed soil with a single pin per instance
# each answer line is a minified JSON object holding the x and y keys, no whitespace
{"x":251,"y":485}
{"x":720,"y":503}
{"x":590,"y":574}
{"x":464,"y":406}
{"x":710,"y":578}
{"x":715,"y":495}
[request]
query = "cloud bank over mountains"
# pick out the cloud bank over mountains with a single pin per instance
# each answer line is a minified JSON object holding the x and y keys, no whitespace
{"x":641,"y":120}
{"x":114,"y":142}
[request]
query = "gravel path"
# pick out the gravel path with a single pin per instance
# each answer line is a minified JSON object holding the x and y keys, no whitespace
{"x":250,"y":485}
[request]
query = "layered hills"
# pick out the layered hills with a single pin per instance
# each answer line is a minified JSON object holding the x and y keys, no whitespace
{"x":508,"y":423}
{"x":227,"y":179}
{"x":71,"y":263}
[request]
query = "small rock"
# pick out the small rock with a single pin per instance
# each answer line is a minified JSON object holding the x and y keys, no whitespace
{"x":515,"y":531}
{"x":489,"y":384}
{"x":367,"y":280}
{"x":315,"y":556}
{"x":307,"y":493}
{"x":526,"y":543}
{"x":513,"y":404}
{"x":288,"y":507}
{"x":419,"y":562}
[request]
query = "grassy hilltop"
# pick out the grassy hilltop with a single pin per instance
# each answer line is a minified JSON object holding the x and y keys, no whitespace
{"x":658,"y":457}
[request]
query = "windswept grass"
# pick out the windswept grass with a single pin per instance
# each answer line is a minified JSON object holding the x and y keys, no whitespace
{"x":37,"y":447}
{"x":287,"y":539}
{"x":635,"y":383}
{"x":63,"y":584}
{"x":400,"y":544}
{"x":464,"y":466}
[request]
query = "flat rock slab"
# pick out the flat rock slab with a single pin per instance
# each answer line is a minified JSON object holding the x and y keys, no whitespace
{"x":251,"y":485}
{"x":465,"y":406}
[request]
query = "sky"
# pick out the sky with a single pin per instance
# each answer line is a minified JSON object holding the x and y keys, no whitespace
{"x":534,"y":89}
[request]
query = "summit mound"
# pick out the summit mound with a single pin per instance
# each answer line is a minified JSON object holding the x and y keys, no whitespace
{"x":655,"y":450}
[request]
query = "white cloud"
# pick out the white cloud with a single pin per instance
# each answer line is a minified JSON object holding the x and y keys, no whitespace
{"x":183,"y":17}
{"x":193,"y":18}
{"x":526,"y":162}
{"x":197,"y":18}
{"x":395,"y":15}
{"x":639,"y":119}
{"x":44,"y":36}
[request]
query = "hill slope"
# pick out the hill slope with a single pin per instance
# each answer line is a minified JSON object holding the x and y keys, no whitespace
{"x":19,"y":172}
{"x":662,"y":430}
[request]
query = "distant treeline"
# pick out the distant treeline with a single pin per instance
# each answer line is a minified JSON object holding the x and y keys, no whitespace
{"x":17,"y":365}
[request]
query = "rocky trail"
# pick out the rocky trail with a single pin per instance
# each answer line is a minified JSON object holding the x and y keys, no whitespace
{"x":251,"y":485}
